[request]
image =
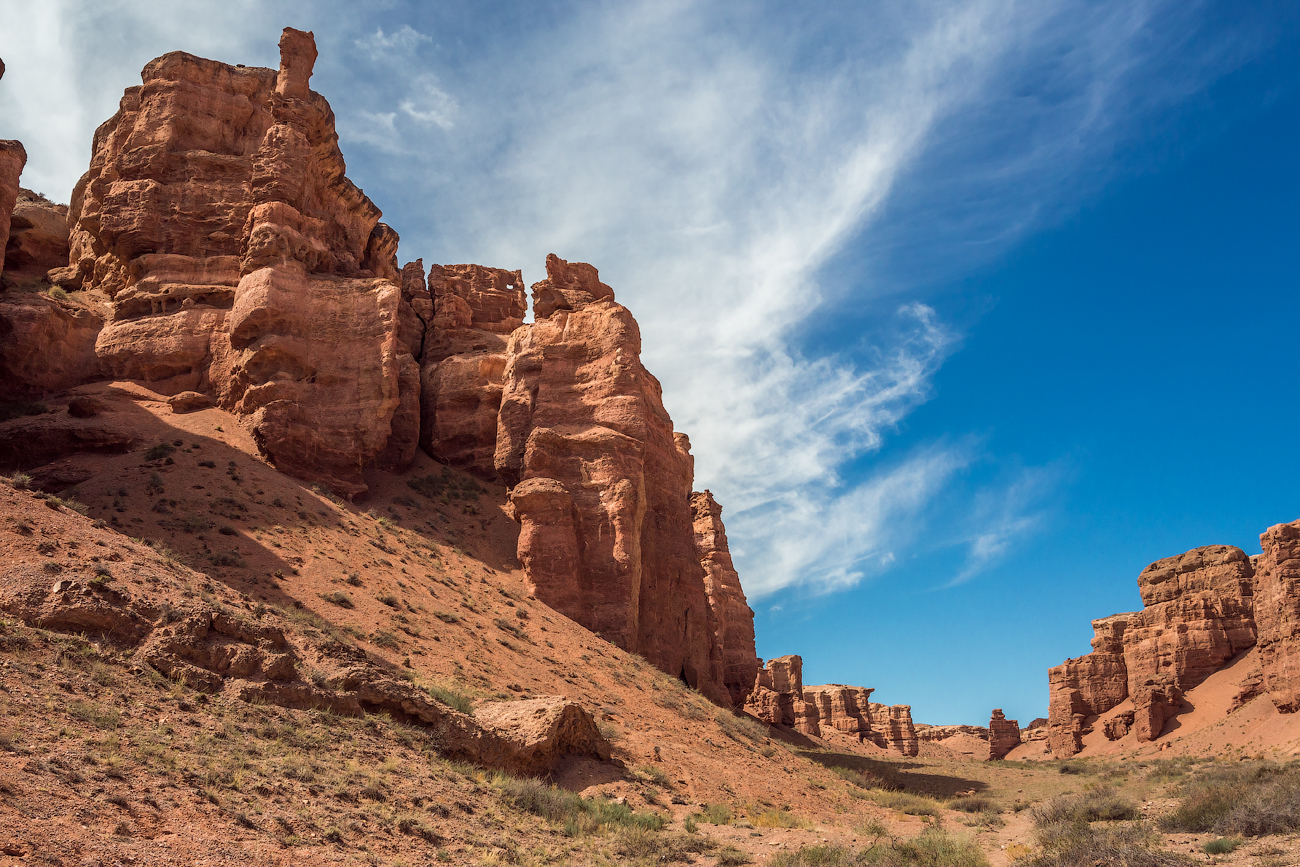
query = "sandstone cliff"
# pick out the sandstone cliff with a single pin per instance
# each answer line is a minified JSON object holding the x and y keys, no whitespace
{"x":238,"y":260}
{"x":778,"y":696}
{"x":601,"y":485}
{"x":13,"y":156}
{"x":733,"y":618}
{"x":1199,"y":612}
{"x":842,"y":708}
{"x":892,"y":727}
{"x":1004,"y":735}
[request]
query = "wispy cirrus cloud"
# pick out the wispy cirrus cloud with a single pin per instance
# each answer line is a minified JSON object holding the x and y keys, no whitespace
{"x":712,"y":160}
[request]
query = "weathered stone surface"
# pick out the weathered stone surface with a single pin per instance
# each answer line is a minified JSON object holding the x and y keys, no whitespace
{"x":240,"y":262}
{"x":38,"y":237}
{"x":1277,"y":613}
{"x":13,"y":156}
{"x":1089,"y":685}
{"x":579,"y":408}
{"x":189,"y":401}
{"x":778,"y":696}
{"x":475,"y":309}
{"x":892,"y":728}
{"x":732,"y":616}
{"x":842,"y":708}
{"x":46,"y":345}
{"x":1198,"y":614}
{"x":1004,"y":735}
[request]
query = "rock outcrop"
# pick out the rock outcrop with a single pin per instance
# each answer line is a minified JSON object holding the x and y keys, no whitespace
{"x":892,"y":728}
{"x":733,"y":618}
{"x":606,"y":528}
{"x":842,"y":708}
{"x":38,"y":238}
{"x":239,"y":261}
{"x":778,"y":696}
{"x":475,"y":309}
{"x":13,"y":156}
{"x":1277,"y":614}
{"x":1004,"y":735}
{"x":1198,"y":614}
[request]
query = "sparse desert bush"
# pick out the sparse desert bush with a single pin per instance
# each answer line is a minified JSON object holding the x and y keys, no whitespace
{"x":715,"y":814}
{"x":1078,"y":844}
{"x":730,"y":856}
{"x":339,"y":598}
{"x":775,"y":819}
{"x":451,"y":698}
{"x":577,"y":815}
{"x":1101,"y":804}
{"x":738,"y":725}
{"x":1222,"y":845}
{"x":651,"y":774}
{"x":912,"y":805}
{"x":158,"y":452}
{"x":20,"y":481}
{"x":641,"y":842}
{"x":972,"y":804}
{"x":932,"y":848}
{"x":1246,"y":798}
{"x":18,"y":409}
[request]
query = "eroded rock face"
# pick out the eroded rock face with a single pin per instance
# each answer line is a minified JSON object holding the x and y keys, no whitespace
{"x":46,"y":345}
{"x":579,"y":409}
{"x":1004,"y":735}
{"x":842,"y":708}
{"x":38,"y":237}
{"x":892,"y":728}
{"x":777,"y":697}
{"x":474,"y":311}
{"x":13,"y":156}
{"x":1198,"y":614}
{"x":240,"y":262}
{"x":733,"y":618}
{"x":1277,"y":613}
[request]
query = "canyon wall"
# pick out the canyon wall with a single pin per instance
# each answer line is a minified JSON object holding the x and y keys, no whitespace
{"x":235,"y":264}
{"x":1200,"y":610}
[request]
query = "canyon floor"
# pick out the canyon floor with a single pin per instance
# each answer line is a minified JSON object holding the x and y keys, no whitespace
{"x":104,"y":761}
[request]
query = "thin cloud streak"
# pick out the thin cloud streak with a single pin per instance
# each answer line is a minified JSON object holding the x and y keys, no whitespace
{"x":711,"y":161}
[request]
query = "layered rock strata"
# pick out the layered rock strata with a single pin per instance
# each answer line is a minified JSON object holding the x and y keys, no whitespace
{"x":777,"y":697}
{"x":601,"y":484}
{"x":1277,"y":614}
{"x":1199,"y":612}
{"x":475,"y":309}
{"x":733,"y":618}
{"x":38,"y":237}
{"x":1004,"y":735}
{"x":892,"y":728}
{"x":239,"y":261}
{"x":842,"y":708}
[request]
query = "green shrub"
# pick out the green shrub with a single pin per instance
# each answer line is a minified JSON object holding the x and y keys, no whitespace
{"x":1246,"y":798}
{"x":158,"y":452}
{"x":715,"y":814}
{"x":912,"y":805}
{"x":1221,"y":845}
{"x":579,"y":816}
{"x":338,"y":598}
{"x":451,"y":698}
{"x":972,"y":804}
{"x":1077,"y":844}
{"x":18,"y":409}
{"x":934,"y":847}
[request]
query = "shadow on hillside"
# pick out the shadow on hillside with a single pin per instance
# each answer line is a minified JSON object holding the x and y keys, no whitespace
{"x":900,"y":775}
{"x":228,"y":515}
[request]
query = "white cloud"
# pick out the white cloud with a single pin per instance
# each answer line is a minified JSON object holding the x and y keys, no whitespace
{"x":402,"y":42}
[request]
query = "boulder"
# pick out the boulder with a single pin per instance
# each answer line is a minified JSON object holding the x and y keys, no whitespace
{"x":733,"y":618}
{"x":38,"y":237}
{"x":189,"y":401}
{"x":578,"y":408}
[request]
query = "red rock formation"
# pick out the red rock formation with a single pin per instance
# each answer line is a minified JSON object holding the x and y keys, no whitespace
{"x":892,"y":728}
{"x":580,"y":410}
{"x":778,"y":697}
{"x":475,"y":309}
{"x":12,"y":159}
{"x":1277,"y":613}
{"x":1197,"y":616}
{"x":239,"y":261}
{"x":935,"y":734}
{"x":1089,"y":685}
{"x":38,"y":237}
{"x":46,"y":345}
{"x":1004,"y":735}
{"x":733,"y":618}
{"x":842,"y":708}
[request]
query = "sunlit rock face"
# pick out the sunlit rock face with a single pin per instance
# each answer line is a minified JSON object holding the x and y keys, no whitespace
{"x":239,"y":261}
{"x":579,"y":410}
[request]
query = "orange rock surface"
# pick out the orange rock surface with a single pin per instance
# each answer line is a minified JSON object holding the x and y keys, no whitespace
{"x":1277,"y":613}
{"x":778,"y":697}
{"x":732,"y":617}
{"x":1004,"y":735}
{"x":582,"y":418}
{"x":13,"y":156}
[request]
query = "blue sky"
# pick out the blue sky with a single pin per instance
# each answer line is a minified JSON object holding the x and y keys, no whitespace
{"x":971,"y":309}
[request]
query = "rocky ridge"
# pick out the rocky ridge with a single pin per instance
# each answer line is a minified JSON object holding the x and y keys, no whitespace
{"x":1202,"y":610}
